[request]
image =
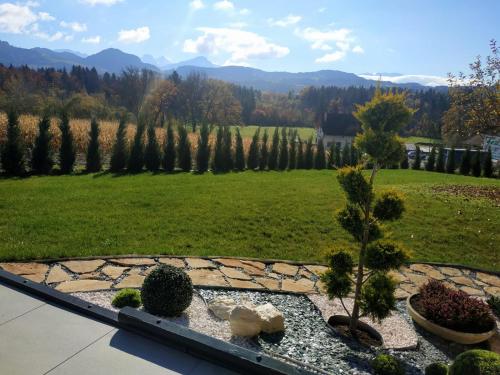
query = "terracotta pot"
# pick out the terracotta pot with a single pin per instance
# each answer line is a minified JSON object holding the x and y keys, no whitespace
{"x":362,"y":326}
{"x":447,"y":333}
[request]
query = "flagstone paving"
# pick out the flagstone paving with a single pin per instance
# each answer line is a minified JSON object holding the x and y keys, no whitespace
{"x":129,"y":272}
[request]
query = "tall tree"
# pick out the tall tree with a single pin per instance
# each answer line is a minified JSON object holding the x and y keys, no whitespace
{"x":119,"y":155}
{"x":301,"y":161}
{"x":274,"y":153}
{"x":488,"y":164}
{"x":227,"y":150}
{"x":67,"y":152}
{"x":254,"y":152}
{"x":338,"y":157}
{"x":93,"y":150}
{"x":184,"y":150}
{"x":354,"y":155}
{"x":465,"y":163}
{"x":293,"y":151}
{"x":152,"y":153}
{"x":13,"y":150}
{"x":136,"y":160}
{"x":283,"y":154}
{"x":405,"y":163}
{"x":239,"y":155}
{"x":169,"y":151}
{"x":431,"y":160}
{"x":440,"y":160}
{"x":320,"y":159}
{"x":331,"y":156}
{"x":476,"y":163}
{"x":218,"y":164}
{"x":41,"y":159}
{"x":418,"y":159}
{"x":264,"y":154}
{"x":203,"y":151}
{"x":346,"y":155}
{"x":450,"y":161}
{"x":309,"y":155}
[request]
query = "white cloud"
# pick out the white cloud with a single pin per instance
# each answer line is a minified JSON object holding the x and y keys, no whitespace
{"x":284,"y":22}
{"x":75,"y":26}
{"x":196,"y":4}
{"x":331,"y":57}
{"x":224,"y":5}
{"x":134,"y":35}
{"x":68,"y":38}
{"x":101,"y":2}
{"x":244,"y":11}
{"x":358,"y":49}
{"x":239,"y":44}
{"x":92,"y":39}
{"x":48,"y":37}
{"x":322,"y":39}
{"x":426,"y":80}
{"x":16,"y":19}
{"x":238,"y":25}
{"x":44,"y":16}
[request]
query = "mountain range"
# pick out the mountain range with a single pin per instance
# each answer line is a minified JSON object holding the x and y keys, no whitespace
{"x":113,"y":60}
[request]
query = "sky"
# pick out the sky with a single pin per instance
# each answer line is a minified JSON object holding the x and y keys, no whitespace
{"x":421,"y":39}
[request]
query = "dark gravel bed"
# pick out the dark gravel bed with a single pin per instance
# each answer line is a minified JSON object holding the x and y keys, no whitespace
{"x":308,"y":340}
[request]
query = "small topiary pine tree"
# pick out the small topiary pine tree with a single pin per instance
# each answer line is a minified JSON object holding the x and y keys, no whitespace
{"x":169,"y":155}
{"x":227,"y":150}
{"x":292,"y":164}
{"x":203,"y":151}
{"x":431,"y":160}
{"x":309,"y":155}
{"x":184,"y":150}
{"x":418,"y":159}
{"x":67,"y":153}
{"x":41,"y":159}
{"x":136,"y":160}
{"x":476,"y":164}
{"x":218,"y":162}
{"x":331,"y":156}
{"x":405,"y":163}
{"x":283,"y":154}
{"x":488,"y":164}
{"x":440,"y":160}
{"x":152,"y":154}
{"x":346,"y":155}
{"x":301,"y":163}
{"x":93,"y":150}
{"x":13,"y":149}
{"x":320,"y":159}
{"x":264,"y":154}
{"x":381,"y":119}
{"x":450,"y":161}
{"x":239,"y":155}
{"x":254,"y":152}
{"x":272,"y":163}
{"x":119,"y":156}
{"x":338,"y":157}
{"x":465,"y":163}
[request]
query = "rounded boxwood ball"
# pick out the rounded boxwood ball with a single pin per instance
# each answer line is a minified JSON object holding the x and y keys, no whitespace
{"x":437,"y":368}
{"x":127,"y":297}
{"x":476,"y":362}
{"x":385,"y":364}
{"x":167,"y":291}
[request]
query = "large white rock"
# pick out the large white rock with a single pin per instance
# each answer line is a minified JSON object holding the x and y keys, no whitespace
{"x":272,"y":319}
{"x":222,"y":307}
{"x":245,"y":321}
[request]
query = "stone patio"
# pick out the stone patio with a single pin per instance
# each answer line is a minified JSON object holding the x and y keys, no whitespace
{"x":129,"y":272}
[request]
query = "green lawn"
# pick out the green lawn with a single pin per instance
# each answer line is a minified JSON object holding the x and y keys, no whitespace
{"x":286,"y":215}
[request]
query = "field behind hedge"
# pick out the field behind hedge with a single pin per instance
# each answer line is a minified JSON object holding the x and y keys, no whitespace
{"x":286,"y":215}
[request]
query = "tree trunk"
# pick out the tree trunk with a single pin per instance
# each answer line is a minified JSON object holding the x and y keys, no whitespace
{"x":353,"y":323}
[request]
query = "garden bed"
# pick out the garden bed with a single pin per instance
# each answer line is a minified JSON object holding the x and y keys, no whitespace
{"x":307,"y":340}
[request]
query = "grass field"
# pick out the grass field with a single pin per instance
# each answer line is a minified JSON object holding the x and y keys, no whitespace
{"x":286,"y":215}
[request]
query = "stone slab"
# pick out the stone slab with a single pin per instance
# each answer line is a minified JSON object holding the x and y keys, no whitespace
{"x":133,"y":261}
{"x":317,"y":270}
{"x":472,"y":291}
{"x":132,"y":281}
{"x":449,"y":271}
{"x":90,"y":275}
{"x":207,"y":277}
{"x":229,"y":262}
{"x":83,"y":266}
{"x":492,"y":290}
{"x":300,"y":286}
{"x":113,"y":272}
{"x":270,"y":284}
{"x":285,"y":269}
{"x":83,"y":285}
{"x":57,"y":275}
{"x":488,"y":279}
{"x":253,"y":271}
{"x":176,"y":262}
{"x":199,"y":263}
{"x":253,"y":263}
{"x":235,"y":283}
{"x":233,"y":273}
{"x":25,"y":268}
{"x":462,"y":280}
{"x":37,"y":278}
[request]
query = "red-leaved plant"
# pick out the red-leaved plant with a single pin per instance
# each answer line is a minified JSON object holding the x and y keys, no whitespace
{"x":454,"y":309}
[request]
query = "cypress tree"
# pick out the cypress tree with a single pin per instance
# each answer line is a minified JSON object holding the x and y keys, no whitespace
{"x":309,"y":155}
{"x":283,"y":158}
{"x":354,"y":155}
{"x":301,"y":163}
{"x":253,"y":152}
{"x":450,"y":161}
{"x":292,"y":164}
{"x":440,"y":160}
{"x":338,"y":159}
{"x":405,"y":163}
{"x":119,"y":156}
{"x":239,"y":157}
{"x":264,"y":154}
{"x":13,"y":150}
{"x":67,"y":153}
{"x":203,"y":152}
{"x":331,"y":156}
{"x":488,"y":164}
{"x":93,"y":150}
{"x":465,"y":163}
{"x":476,"y":164}
{"x":273,"y":154}
{"x":320,"y":160}
{"x":218,"y":162}
{"x":431,"y":160}
{"x":136,"y":160}
{"x":184,"y":150}
{"x":418,"y":160}
{"x":152,"y":153}
{"x":227,"y":150}
{"x":41,"y":160}
{"x":169,"y":150}
{"x":346,"y":155}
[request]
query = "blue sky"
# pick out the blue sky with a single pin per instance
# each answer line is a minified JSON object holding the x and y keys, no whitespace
{"x":410,"y":37}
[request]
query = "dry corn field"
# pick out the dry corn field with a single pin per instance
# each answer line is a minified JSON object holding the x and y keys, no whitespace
{"x":80,"y":129}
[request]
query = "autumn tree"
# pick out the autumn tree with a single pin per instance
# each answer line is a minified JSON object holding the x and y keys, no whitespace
{"x":13,"y":150}
{"x":41,"y":158}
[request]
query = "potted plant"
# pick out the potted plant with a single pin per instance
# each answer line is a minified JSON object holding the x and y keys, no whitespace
{"x":451,"y":314}
{"x":381,"y":119}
